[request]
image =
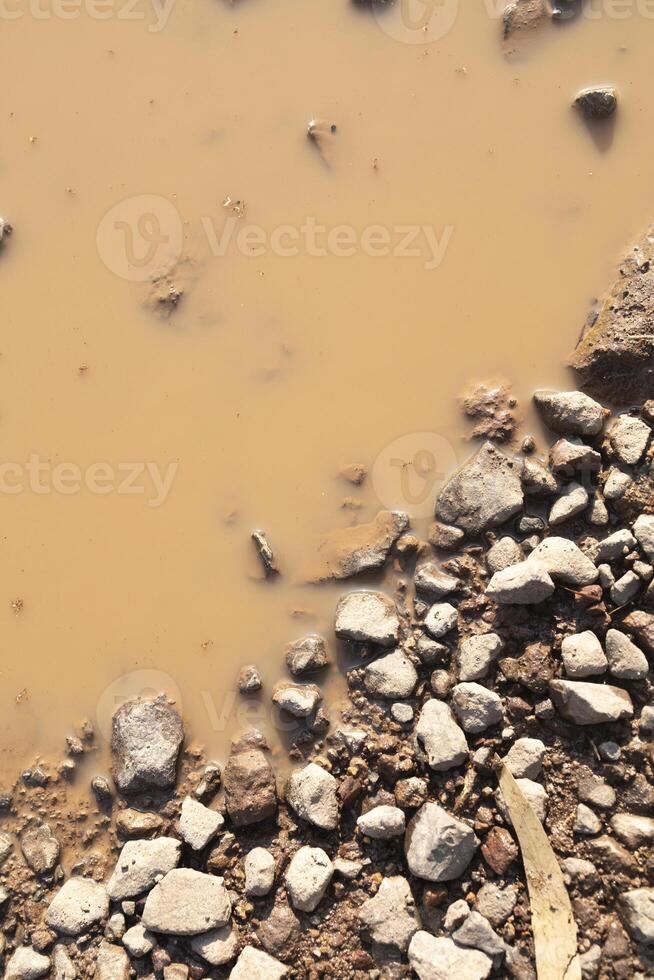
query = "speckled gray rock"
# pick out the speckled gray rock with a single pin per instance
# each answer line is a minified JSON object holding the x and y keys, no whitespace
{"x":522,"y":584}
{"x":503,"y":553}
{"x":628,"y":437}
{"x":570,"y":412}
{"x":140,"y":864}
{"x":311,"y":792}
{"x":218,"y":946}
{"x":198,"y":824}
{"x":439,"y":736}
{"x":146,"y":737}
{"x":382,"y":822}
{"x":438,"y":846}
{"x":476,"y":707}
{"x":636,"y":910}
{"x":308,"y":877}
{"x":590,"y":704}
{"x":40,"y":848}
{"x":26,"y":964}
{"x":259,"y":872}
{"x":486,"y":492}
{"x":496,"y":904}
{"x":644,"y":531}
{"x":632,"y":829}
{"x":432,"y":581}
{"x":307,"y":654}
{"x":138,"y":941}
{"x":476,"y":655}
{"x":477,"y":932}
{"x":534,"y":793}
{"x":299,"y":700}
{"x":254,"y":964}
{"x":582,"y":655}
{"x":367,"y":617}
{"x":617,"y":483}
{"x":626,"y":660}
{"x":441,"y":619}
{"x":525,"y":758}
{"x":390,"y":916}
{"x":80,"y":904}
{"x":626,"y":587}
{"x":187,"y":903}
{"x":572,"y":500}
{"x":442,"y":959}
{"x":565,"y":562}
{"x":616,"y":545}
{"x":391,"y":676}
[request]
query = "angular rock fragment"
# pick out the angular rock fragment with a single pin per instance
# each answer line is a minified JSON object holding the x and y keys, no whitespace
{"x":628,"y":437}
{"x":254,"y":964}
{"x":311,"y":792}
{"x":525,"y":758}
{"x":476,"y":707}
{"x":354,"y":550}
{"x":636,"y":909}
{"x":250,"y":789}
{"x":26,"y":964}
{"x":565,"y":561}
{"x":367,"y":617}
{"x":112,"y":963}
{"x":187,"y":903}
{"x":80,"y":904}
{"x":440,"y":737}
{"x":644,"y":531}
{"x":572,"y":501}
{"x":626,"y":660}
{"x":307,"y":878}
{"x":503,"y":553}
{"x":140,"y":865}
{"x":198,"y":824}
{"x":438,"y":846}
{"x":570,"y":412}
{"x":306,"y":655}
{"x":299,"y":700}
{"x":146,"y":738}
{"x":431,"y":581}
{"x":217,"y":947}
{"x":442,"y":959}
{"x":476,"y":655}
{"x":522,"y":584}
{"x":391,"y":676}
{"x":486,"y":492}
{"x":40,"y":848}
{"x":390,"y":916}
{"x":590,"y":704}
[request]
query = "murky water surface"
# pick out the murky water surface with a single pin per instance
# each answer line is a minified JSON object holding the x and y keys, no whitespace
{"x":455,"y":227}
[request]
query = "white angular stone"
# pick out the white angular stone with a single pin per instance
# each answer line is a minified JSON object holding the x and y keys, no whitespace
{"x":259,"y":872}
{"x":198,"y":824}
{"x":477,"y":933}
{"x":391,"y":676}
{"x":625,"y":588}
{"x":629,"y":437}
{"x":572,"y":500}
{"x":441,"y":619}
{"x":586,"y":822}
{"x":218,"y":946}
{"x":80,"y":904}
{"x":570,"y":412}
{"x":476,"y":707}
{"x":442,"y":959}
{"x":254,"y":964}
{"x":186,"y":903}
{"x":616,"y":545}
{"x":367,"y":617}
{"x":390,"y":916}
{"x":140,"y":864}
{"x":582,"y":655}
{"x":438,"y":846}
{"x":522,"y":584}
{"x":590,"y":704}
{"x":476,"y":655}
{"x":299,"y":700}
{"x":432,"y":581}
{"x":26,"y":964}
{"x":308,"y":877}
{"x":440,"y":737}
{"x":617,"y":483}
{"x":565,"y":562}
{"x":138,"y":941}
{"x":525,"y":758}
{"x":626,"y":660}
{"x":311,"y":792}
{"x":382,"y":822}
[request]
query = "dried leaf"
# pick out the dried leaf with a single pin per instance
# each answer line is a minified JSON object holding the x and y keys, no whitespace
{"x":552,"y":921}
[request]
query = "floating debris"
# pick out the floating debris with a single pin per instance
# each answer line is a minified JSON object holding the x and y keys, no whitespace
{"x":265,"y":553}
{"x":237,"y":207}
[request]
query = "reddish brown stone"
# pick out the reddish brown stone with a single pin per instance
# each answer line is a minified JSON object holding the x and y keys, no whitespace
{"x":499,"y":850}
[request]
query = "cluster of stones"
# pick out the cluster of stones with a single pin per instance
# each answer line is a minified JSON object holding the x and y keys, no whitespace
{"x":523,"y":629}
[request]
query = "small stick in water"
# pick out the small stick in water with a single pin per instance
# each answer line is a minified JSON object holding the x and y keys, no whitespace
{"x":265,"y":553}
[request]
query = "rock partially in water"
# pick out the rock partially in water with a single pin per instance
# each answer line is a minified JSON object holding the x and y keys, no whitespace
{"x":306,"y":655}
{"x":354,"y":550}
{"x":525,"y":15}
{"x":5,"y":230}
{"x":367,"y":617}
{"x":615,"y":357}
{"x":487,"y":491}
{"x":146,"y":738}
{"x":597,"y":102}
{"x":493,"y":410}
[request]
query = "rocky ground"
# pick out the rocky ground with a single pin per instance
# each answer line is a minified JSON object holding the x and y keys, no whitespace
{"x":522,"y":630}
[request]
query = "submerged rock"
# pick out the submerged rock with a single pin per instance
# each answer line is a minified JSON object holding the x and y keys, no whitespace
{"x":367,"y":617}
{"x":307,"y":654}
{"x":40,"y":848}
{"x":486,"y":492}
{"x":146,"y":738}
{"x":354,"y":550}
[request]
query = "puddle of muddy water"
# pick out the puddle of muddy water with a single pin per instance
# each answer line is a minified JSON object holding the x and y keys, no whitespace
{"x":457,"y":227}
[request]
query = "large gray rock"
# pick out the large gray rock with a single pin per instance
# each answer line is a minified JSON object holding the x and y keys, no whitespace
{"x":615,"y":357}
{"x":146,"y":737}
{"x":307,"y":877}
{"x":565,"y":562}
{"x":40,"y":848}
{"x":439,"y":847}
{"x":187,"y":903}
{"x":522,"y":584}
{"x":354,"y":550}
{"x":637,"y":912}
{"x":476,"y":707}
{"x":80,"y":904}
{"x":570,"y":412}
{"x":486,"y":492}
{"x":440,"y":737}
{"x":390,"y":916}
{"x":254,"y":964}
{"x":26,"y":964}
{"x":198,"y":824}
{"x":307,"y":654}
{"x":250,"y":788}
{"x":367,"y":617}
{"x":140,"y":864}
{"x":218,"y":946}
{"x":311,"y":792}
{"x":590,"y":704}
{"x":391,"y":676}
{"x":442,"y":959}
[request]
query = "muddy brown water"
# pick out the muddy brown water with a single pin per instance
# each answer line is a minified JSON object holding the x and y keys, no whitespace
{"x":455,"y":227}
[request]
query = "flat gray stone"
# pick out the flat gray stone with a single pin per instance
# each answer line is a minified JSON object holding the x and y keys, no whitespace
{"x":390,"y":916}
{"x":367,"y":617}
{"x":442,"y":959}
{"x":308,"y":877}
{"x":311,"y":792}
{"x":522,"y":584}
{"x":439,"y":736}
{"x":439,"y":847}
{"x":80,"y":904}
{"x":590,"y":704}
{"x":146,"y":738}
{"x":140,"y":864}
{"x":187,"y":903}
{"x":486,"y":492}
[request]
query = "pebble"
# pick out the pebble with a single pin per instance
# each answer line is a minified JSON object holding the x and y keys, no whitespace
{"x":626,"y":660}
{"x":628,"y":437}
{"x":496,"y":904}
{"x":598,"y":514}
{"x":524,"y":583}
{"x":431,"y":581}
{"x":595,"y":791}
{"x":250,"y":788}
{"x":616,"y":545}
{"x":456,"y":915}
{"x":382,"y":822}
{"x":112,"y":963}
{"x":572,"y":501}
{"x":485,"y":492}
{"x":439,"y":847}
{"x":644,"y":531}
{"x":138,"y":941}
{"x":259,"y":872}
{"x":186,"y":903}
{"x":254,"y":964}
{"x":570,"y":456}
{"x":311,"y":792}
{"x":586,"y":822}
{"x":299,"y":700}
{"x":476,"y":655}
{"x":80,"y":904}
{"x":140,"y":864}
{"x":533,"y":792}
{"x":441,"y":619}
{"x":249,"y":679}
{"x":402,"y":713}
{"x":478,"y":933}
{"x":62,"y":965}
{"x":502,"y":554}
{"x":636,"y":909}
{"x":442,"y":959}
{"x":606,"y":576}
{"x":440,"y":737}
{"x":537,"y":480}
{"x":218,"y":946}
{"x":582,"y":655}
{"x":525,"y":758}
{"x":391,"y":676}
{"x":590,"y":704}
{"x":40,"y":848}
{"x":565,"y":562}
{"x":632,"y":829}
{"x":617,"y":483}
{"x":390,"y":916}
{"x":306,"y":655}
{"x":308,"y":877}
{"x":26,"y":964}
{"x":198,"y":824}
{"x":625,"y":588}
{"x":367,"y":617}
{"x":597,"y":103}
{"x":476,"y":707}
{"x":570,"y":412}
